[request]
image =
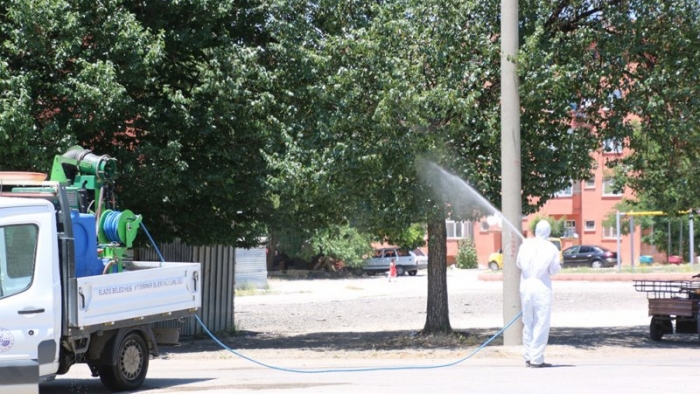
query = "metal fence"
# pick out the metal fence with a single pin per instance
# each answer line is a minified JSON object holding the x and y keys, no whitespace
{"x":218,"y":283}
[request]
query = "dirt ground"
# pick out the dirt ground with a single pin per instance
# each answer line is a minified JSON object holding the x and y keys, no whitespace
{"x":368,"y":318}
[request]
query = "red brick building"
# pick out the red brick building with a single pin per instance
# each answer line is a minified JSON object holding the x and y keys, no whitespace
{"x":583,"y":206}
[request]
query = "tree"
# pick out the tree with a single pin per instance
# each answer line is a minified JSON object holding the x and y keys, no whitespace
{"x":231,"y":118}
{"x":557,"y":225}
{"x":409,"y":82}
{"x":178,"y":92}
{"x":660,"y":93}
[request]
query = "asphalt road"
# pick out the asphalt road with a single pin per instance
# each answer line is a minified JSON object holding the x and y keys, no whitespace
{"x":622,"y":360}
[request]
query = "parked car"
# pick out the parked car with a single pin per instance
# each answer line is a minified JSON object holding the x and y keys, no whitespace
{"x":407,"y":261}
{"x":496,"y":258}
{"x":589,"y":256}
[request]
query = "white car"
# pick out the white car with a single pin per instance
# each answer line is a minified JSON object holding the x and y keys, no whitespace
{"x":407,"y":261}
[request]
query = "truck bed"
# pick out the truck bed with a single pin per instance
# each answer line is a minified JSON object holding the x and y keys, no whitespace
{"x":146,"y":291}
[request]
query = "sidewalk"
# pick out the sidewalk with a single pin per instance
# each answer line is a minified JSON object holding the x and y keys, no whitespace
{"x":602,"y":277}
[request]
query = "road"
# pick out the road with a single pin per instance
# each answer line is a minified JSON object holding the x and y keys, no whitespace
{"x":616,"y":355}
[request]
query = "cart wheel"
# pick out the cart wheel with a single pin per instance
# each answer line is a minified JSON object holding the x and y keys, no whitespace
{"x":659,"y":326}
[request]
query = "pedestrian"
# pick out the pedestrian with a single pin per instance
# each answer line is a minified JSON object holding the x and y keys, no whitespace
{"x":392,"y":270}
{"x":538,"y":259}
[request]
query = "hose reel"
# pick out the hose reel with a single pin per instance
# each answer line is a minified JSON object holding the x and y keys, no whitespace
{"x":116,"y":234}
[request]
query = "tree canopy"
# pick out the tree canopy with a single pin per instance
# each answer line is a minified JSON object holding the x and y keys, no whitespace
{"x":661,"y":89}
{"x":176,"y":91}
{"x":234,"y":119}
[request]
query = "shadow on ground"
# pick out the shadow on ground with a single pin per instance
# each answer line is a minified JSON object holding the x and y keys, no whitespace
{"x":582,"y":338}
{"x":636,"y":337}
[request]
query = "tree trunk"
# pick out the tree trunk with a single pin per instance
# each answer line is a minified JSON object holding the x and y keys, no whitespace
{"x":271,"y":250}
{"x":437,"y":318}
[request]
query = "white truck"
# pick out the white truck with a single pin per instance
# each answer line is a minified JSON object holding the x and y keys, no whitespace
{"x":64,"y":301}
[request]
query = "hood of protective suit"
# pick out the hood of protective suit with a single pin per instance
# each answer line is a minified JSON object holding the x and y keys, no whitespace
{"x":543,"y":229}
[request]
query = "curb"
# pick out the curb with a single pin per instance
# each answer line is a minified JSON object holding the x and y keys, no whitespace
{"x":612,"y":277}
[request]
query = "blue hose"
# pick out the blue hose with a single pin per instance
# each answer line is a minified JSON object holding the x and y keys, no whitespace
{"x":331,"y":370}
{"x":366,"y":369}
{"x":111,"y":226}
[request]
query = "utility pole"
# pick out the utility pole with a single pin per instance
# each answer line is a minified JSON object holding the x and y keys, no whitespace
{"x":511,"y":178}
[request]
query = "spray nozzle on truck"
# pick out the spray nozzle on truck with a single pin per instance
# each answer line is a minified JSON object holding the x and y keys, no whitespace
{"x":69,"y":292}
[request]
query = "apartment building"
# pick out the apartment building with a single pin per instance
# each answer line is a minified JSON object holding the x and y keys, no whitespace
{"x":584,"y":206}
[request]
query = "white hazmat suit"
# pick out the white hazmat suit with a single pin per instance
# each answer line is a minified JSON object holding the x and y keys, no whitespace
{"x":537,"y":259}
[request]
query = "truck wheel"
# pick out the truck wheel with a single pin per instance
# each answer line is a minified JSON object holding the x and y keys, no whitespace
{"x":659,"y":326}
{"x":132,"y":365}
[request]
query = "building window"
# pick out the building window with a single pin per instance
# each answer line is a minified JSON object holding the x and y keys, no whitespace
{"x":609,"y":232}
{"x":590,"y":183}
{"x":590,"y":225}
{"x":612,"y":146}
{"x":455,"y":229}
{"x":569,"y":228}
{"x":567,"y":192}
{"x":609,"y":188}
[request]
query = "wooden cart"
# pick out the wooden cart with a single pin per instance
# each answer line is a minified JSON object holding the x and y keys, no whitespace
{"x":673,"y":306}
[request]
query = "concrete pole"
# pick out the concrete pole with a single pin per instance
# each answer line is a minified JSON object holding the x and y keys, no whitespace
{"x":511,"y":190}
{"x":691,"y":231}
{"x":668,"y":249}
{"x":617,"y":235}
{"x":680,"y":240}
{"x":632,"y":242}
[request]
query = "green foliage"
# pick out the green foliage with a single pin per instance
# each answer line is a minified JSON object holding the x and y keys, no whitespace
{"x":662,"y":93}
{"x":410,"y":238}
{"x":176,"y":91}
{"x":625,"y":206}
{"x":342,"y":243}
{"x":669,"y":233}
{"x":231,"y":119}
{"x":558,"y":225}
{"x":466,"y":254}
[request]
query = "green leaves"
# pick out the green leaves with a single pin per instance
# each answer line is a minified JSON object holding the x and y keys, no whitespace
{"x":661,"y":91}
{"x":237,"y":115}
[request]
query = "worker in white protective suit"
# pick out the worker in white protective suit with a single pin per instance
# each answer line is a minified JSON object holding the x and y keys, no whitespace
{"x":537,"y":259}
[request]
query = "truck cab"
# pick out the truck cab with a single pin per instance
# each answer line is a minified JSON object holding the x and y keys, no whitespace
{"x":30,"y":292}
{"x":69,"y":294}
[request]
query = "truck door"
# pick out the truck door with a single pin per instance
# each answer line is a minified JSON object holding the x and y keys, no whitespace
{"x":29,"y":295}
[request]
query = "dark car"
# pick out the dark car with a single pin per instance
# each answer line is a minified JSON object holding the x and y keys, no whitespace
{"x":588,"y":256}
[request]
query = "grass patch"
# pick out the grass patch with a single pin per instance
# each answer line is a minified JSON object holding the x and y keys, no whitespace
{"x":637,"y":269}
{"x":249,"y":289}
{"x":680,"y":268}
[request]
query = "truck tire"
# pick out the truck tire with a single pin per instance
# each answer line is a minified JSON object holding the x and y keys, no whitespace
{"x":132,"y":365}
{"x":660,"y":325}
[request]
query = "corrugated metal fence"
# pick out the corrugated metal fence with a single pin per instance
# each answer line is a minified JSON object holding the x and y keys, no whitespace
{"x":220,"y":269}
{"x":251,"y":268}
